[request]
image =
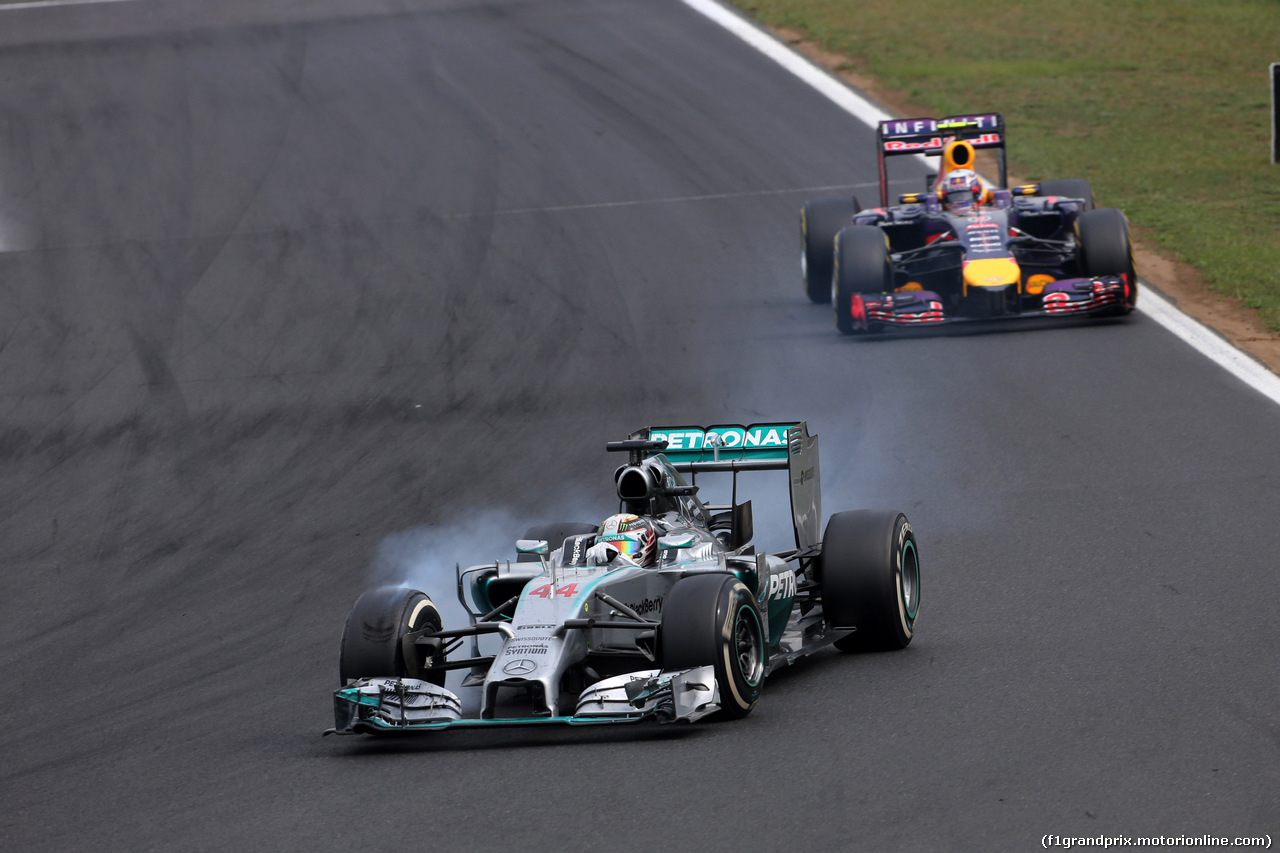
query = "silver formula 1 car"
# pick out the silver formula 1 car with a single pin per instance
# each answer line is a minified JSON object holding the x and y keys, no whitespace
{"x":665,"y":612}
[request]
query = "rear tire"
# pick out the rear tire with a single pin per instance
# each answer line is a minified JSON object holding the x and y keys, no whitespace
{"x":1104,"y":248}
{"x":820,"y":220}
{"x":1069,"y":188}
{"x":871,"y":579}
{"x":371,"y":639}
{"x":554,"y":534}
{"x":861,"y":266}
{"x":713,"y":620}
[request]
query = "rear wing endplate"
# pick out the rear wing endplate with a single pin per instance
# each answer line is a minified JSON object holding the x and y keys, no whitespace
{"x":928,"y":136}
{"x":729,"y":448}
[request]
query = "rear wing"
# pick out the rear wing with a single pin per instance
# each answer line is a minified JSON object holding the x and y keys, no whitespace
{"x":758,"y":447}
{"x":929,"y":136}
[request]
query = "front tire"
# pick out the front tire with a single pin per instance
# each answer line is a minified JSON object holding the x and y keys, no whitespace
{"x":862,"y":265}
{"x":1104,"y":248}
{"x":371,"y":646}
{"x":714,"y":620}
{"x":871,"y":579}
{"x":820,"y":220}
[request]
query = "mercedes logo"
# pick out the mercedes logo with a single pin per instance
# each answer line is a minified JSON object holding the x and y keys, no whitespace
{"x":524,"y":666}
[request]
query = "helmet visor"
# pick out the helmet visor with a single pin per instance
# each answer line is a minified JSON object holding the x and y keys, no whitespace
{"x":963,"y":196}
{"x":628,"y":544}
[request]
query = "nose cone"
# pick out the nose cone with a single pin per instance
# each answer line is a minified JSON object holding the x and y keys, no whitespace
{"x":991,"y":272}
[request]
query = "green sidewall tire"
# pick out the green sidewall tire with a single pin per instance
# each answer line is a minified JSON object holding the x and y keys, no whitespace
{"x":1069,"y":188}
{"x":862,"y":265}
{"x":1104,"y":247}
{"x":871,"y":579}
{"x":704,"y":618}
{"x":820,"y":220}
{"x":371,"y":638}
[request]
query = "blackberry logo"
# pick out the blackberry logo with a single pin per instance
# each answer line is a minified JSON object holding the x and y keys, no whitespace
{"x":649,"y":605}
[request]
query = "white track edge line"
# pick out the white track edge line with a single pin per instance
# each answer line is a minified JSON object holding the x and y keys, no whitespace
{"x":1209,"y":342}
{"x":1204,"y":339}
{"x":42,"y":4}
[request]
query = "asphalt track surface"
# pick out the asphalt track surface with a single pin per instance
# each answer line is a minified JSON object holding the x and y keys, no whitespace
{"x":297,"y":298}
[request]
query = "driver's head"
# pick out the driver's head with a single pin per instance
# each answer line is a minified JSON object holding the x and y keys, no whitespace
{"x":633,"y":538}
{"x":961,"y":190}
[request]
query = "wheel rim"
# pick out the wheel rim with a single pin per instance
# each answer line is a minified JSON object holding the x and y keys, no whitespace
{"x":747,"y":645}
{"x":909,"y":578}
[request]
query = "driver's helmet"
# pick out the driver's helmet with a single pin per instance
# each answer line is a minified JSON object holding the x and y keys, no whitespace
{"x":632,"y":537}
{"x":961,"y":190}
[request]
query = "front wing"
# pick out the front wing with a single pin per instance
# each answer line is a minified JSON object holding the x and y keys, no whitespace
{"x":403,"y":705}
{"x":1068,"y":297}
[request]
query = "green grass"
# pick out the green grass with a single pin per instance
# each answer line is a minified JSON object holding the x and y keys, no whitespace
{"x":1163,"y":105}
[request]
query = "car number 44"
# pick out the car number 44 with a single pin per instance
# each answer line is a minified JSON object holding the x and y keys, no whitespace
{"x":566,"y":591}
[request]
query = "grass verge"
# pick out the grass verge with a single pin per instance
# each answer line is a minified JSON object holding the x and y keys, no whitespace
{"x":1163,"y":105}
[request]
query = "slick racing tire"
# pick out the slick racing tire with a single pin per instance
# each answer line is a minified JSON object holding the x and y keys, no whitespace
{"x":1102,"y":241}
{"x":1069,"y":188}
{"x":713,"y":620}
{"x":861,"y":266}
{"x":554,"y":534}
{"x":820,"y":221}
{"x":871,"y":579}
{"x":371,"y":646}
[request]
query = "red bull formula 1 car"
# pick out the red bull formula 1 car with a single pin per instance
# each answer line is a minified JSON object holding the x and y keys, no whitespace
{"x":665,"y":611}
{"x":961,"y":250}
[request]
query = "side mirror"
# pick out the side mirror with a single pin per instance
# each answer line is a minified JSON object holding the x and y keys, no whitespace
{"x":677,"y":541}
{"x":532,"y":546}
